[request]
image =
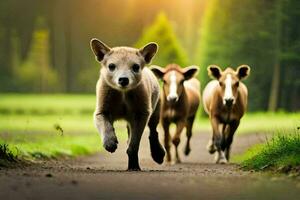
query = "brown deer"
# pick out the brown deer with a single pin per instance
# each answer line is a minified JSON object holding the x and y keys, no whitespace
{"x":127,"y":90}
{"x":225,"y":101}
{"x":180,"y":101}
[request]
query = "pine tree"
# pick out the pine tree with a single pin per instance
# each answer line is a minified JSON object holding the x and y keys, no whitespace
{"x":170,"y":50}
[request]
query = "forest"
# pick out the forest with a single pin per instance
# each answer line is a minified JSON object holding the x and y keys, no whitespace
{"x":44,"y":45}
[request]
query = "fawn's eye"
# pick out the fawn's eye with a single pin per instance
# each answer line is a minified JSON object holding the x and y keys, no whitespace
{"x":136,"y":68}
{"x":237,"y":84}
{"x":111,"y":67}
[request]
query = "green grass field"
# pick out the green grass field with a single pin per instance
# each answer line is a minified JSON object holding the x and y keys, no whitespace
{"x":48,"y":126}
{"x":281,"y":153}
{"x":52,"y":104}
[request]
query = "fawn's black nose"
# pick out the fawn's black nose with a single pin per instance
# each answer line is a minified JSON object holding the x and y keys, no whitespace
{"x":229,"y":102}
{"x":123,"y":81}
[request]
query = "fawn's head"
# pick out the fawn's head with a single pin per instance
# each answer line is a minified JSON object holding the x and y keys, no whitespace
{"x":229,"y":81}
{"x":122,"y":66}
{"x":173,"y":77}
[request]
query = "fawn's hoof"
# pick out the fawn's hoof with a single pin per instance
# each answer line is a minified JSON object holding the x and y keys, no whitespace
{"x":211,"y":147}
{"x":158,"y":154}
{"x":110,"y":144}
{"x":223,"y":161}
{"x":176,"y":161}
{"x":220,"y":158}
{"x":157,"y":151}
{"x":168,"y":158}
{"x":132,"y":169}
{"x":187,"y":151}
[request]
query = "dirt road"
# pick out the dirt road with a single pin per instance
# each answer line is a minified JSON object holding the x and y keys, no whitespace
{"x":103,"y":176}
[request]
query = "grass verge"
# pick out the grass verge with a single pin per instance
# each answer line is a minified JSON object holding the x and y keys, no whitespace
{"x":54,"y":146}
{"x":7,"y":157}
{"x":280,"y":154}
{"x":41,"y":147}
{"x":30,"y":146}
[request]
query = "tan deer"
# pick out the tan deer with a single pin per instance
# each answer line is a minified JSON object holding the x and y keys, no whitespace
{"x":180,"y":101}
{"x":127,"y":90}
{"x":225,"y":101}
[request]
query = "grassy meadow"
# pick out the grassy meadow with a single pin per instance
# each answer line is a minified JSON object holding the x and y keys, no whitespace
{"x":47,"y":126}
{"x":280,"y":153}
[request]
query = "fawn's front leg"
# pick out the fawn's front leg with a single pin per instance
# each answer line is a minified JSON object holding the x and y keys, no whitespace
{"x":232,"y":128}
{"x":217,"y":141}
{"x":105,"y":127}
{"x":167,"y":139}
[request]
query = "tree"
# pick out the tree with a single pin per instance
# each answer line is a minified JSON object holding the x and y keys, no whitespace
{"x":35,"y":74}
{"x":170,"y":50}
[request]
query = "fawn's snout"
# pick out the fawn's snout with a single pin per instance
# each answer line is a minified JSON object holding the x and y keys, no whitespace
{"x":172,"y":98}
{"x":123,"y":81}
{"x":228,"y":101}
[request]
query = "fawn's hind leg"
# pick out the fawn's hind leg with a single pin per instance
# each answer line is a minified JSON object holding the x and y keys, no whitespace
{"x":157,"y":151}
{"x":189,"y":127}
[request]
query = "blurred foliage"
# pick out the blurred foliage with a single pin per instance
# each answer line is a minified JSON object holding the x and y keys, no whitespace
{"x":36,"y":74}
{"x":87,"y":79}
{"x":290,"y":56}
{"x":241,"y":32}
{"x":44,"y":45}
{"x":251,"y":32}
{"x":170,"y":50}
{"x":47,"y":104}
{"x":70,"y":24}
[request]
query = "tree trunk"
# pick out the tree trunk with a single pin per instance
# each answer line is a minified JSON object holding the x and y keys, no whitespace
{"x":58,"y":40}
{"x":273,"y":101}
{"x":70,"y":76}
{"x":274,"y":93}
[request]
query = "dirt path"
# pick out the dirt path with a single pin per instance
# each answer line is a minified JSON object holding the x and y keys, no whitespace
{"x":103,"y":177}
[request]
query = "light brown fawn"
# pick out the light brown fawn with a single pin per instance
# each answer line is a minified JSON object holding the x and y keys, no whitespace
{"x":127,"y":90}
{"x":180,"y":101}
{"x":225,"y":101}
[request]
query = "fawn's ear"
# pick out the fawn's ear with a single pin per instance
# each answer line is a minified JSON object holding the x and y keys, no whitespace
{"x":99,"y":49}
{"x":148,"y":51}
{"x":158,"y":71}
{"x":243,"y":71}
{"x":190,"y":71}
{"x":214,"y":71}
